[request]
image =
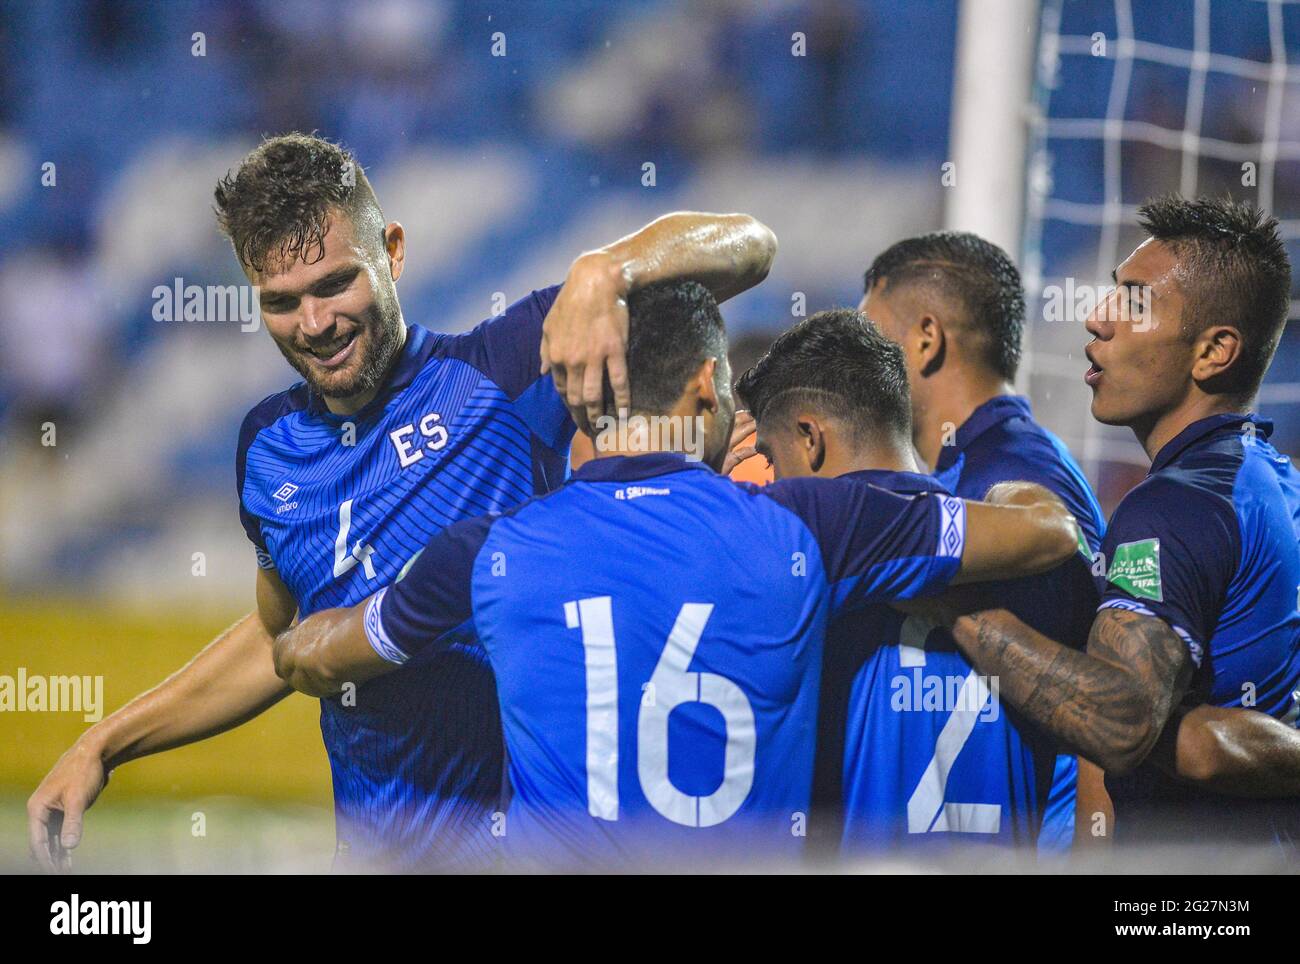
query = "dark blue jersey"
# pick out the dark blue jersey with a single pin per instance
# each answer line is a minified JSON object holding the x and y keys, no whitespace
{"x":960,"y":761}
{"x":915,"y":749}
{"x":656,"y":632}
{"x":1210,"y":543}
{"x":338,"y":504}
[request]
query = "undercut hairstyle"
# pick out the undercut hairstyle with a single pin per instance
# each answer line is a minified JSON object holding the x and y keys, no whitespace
{"x":277,"y":205}
{"x":838,"y":363}
{"x":975,"y":275}
{"x":1233,"y":270}
{"x":673,"y":328}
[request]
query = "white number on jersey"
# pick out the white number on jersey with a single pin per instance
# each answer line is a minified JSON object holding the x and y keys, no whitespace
{"x":669,"y":686}
{"x":344,"y":560}
{"x":927,"y":810}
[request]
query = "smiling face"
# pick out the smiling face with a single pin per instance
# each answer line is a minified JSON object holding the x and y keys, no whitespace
{"x":1141,"y":358}
{"x":337,"y":320}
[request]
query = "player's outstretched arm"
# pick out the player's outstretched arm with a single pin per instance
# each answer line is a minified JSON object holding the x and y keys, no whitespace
{"x":1238,"y":752}
{"x":328,"y":650}
{"x":1021,"y":530}
{"x":1108,"y":704}
{"x":231,"y":681}
{"x":335,"y":647}
{"x":585,"y":332}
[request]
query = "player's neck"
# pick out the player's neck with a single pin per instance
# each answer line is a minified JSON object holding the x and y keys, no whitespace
{"x":952,"y":399}
{"x":880,"y":458}
{"x":355,"y":403}
{"x":674,"y":432}
{"x":1156,"y":431}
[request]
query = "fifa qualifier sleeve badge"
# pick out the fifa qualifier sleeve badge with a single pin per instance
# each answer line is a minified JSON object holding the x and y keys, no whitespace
{"x":1135,"y":569}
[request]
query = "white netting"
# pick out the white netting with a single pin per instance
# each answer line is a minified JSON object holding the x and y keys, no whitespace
{"x":1230,"y":69}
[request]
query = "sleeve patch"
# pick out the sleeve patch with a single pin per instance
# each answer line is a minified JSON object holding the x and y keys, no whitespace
{"x":1135,"y":568}
{"x":379,"y":640}
{"x":952,"y":527}
{"x":1128,"y":605}
{"x":264,"y":560}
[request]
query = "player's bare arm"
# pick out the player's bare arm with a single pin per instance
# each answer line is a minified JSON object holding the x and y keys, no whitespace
{"x":1023,"y":530}
{"x":228,"y":683}
{"x":328,"y":650}
{"x":1108,"y":704}
{"x":1234,"y":751}
{"x":585,"y":333}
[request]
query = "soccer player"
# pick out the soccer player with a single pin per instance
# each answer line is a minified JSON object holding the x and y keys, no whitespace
{"x":955,"y":304}
{"x":394,"y":433}
{"x":914,"y":748}
{"x":1202,"y":558}
{"x":657,"y":667}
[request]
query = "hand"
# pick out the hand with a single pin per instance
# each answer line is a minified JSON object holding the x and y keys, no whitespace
{"x":55,"y":810}
{"x":741,"y":429}
{"x":947,"y":607}
{"x":584,"y":336}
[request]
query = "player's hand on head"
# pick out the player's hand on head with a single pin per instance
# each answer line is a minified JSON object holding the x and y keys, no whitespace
{"x":56,"y":810}
{"x":741,"y":429}
{"x":584,"y":338}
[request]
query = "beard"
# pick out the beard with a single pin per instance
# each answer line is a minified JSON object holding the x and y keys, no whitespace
{"x":378,"y":339}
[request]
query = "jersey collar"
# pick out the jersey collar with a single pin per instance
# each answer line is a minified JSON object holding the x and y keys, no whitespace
{"x":906,"y":483}
{"x":1203,"y":428}
{"x":993,"y":412}
{"x":631,"y":468}
{"x":416,"y":350}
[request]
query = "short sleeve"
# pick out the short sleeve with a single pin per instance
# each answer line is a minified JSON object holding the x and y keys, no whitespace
{"x":507,"y":348}
{"x":431,"y":598}
{"x":1171,"y":551}
{"x":878,"y":545}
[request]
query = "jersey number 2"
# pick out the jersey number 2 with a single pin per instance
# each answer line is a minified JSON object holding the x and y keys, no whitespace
{"x":927,"y":810}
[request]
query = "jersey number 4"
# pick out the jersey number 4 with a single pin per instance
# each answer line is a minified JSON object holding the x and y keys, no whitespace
{"x":344,"y":560}
{"x":669,"y":686}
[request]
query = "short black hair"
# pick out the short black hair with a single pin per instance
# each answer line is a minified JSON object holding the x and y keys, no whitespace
{"x":673,"y":328}
{"x":977,"y":274}
{"x":277,"y":204}
{"x":1234,"y":270}
{"x":839,"y":363}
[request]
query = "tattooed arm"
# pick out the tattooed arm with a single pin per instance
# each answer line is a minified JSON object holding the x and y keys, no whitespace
{"x":1108,"y":704}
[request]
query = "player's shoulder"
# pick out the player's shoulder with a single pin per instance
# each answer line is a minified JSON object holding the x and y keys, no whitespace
{"x":1177,"y":504}
{"x":270,"y":410}
{"x":830,"y":503}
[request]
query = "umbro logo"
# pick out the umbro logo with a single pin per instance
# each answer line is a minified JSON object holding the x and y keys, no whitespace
{"x":285,"y":492}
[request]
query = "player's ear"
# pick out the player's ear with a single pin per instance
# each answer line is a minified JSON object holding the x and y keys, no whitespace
{"x":706,"y":392}
{"x":931,"y":343}
{"x":812,"y":441}
{"x":395,"y":248}
{"x":1216,"y":349}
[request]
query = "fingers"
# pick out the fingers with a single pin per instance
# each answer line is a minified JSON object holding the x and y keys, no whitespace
{"x":742,"y":428}
{"x":616,"y":365}
{"x":73,"y":812}
{"x":574,"y":386}
{"x":593,"y":392}
{"x":38,"y":839}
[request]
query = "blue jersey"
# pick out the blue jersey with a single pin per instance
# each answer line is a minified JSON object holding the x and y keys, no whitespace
{"x":958,"y":762}
{"x":1210,"y":543}
{"x":1001,"y":442}
{"x":338,"y":504}
{"x":656,"y":632}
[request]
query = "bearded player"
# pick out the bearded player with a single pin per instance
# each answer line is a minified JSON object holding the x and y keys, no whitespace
{"x":394,"y":433}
